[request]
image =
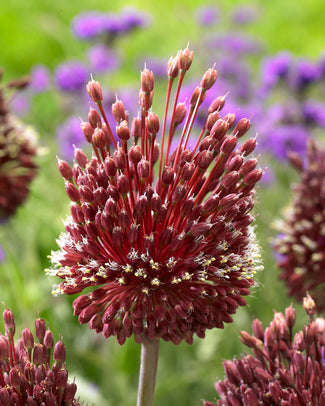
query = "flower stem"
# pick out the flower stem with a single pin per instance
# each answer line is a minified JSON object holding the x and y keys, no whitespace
{"x":148,"y":370}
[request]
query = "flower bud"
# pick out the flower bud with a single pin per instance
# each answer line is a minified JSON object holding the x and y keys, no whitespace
{"x":241,"y":127}
{"x":198,"y":93}
{"x":228,"y":145}
{"x":143,"y":168}
{"x":217,"y":104}
{"x":28,"y":339}
{"x":209,"y":78}
{"x":9,"y":320}
{"x":59,"y":353}
{"x":147,"y":81}
{"x":180,"y":113}
{"x":136,"y":128}
{"x":72,"y":191}
{"x":118,"y":111}
{"x":88,"y":131}
{"x":152,"y":122}
{"x":135,"y":154}
{"x":167,"y":175}
{"x":48,"y":339}
{"x":40,"y":329}
{"x":185,"y":59}
{"x":122,"y":131}
{"x":248,"y":146}
{"x":99,"y":138}
{"x":64,"y":169}
{"x":80,"y":157}
{"x":94,"y":118}
{"x":230,"y":118}
{"x":172,"y":67}
{"x":95,"y":91}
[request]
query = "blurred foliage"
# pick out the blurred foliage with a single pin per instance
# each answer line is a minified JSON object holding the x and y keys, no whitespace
{"x":38,"y":31}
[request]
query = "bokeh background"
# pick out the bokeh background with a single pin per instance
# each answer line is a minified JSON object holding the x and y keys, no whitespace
{"x":39,"y":32}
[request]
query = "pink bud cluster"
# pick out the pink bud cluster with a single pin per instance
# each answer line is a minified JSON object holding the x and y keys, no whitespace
{"x":169,"y":250}
{"x":17,"y":154}
{"x":285,"y":369}
{"x":28,"y":377}
{"x":301,"y":242}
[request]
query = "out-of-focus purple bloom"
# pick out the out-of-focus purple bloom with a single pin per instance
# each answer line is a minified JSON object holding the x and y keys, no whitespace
{"x":285,"y":138}
{"x":267,"y":177}
{"x":304,"y":73}
{"x":40,"y":79}
{"x":314,"y":112}
{"x":236,"y":43}
{"x":321,"y":65}
{"x":244,"y":14}
{"x":133,"y":18}
{"x":207,"y":15}
{"x":2,"y":255}
{"x":68,"y":134}
{"x":71,"y":76}
{"x":88,"y":25}
{"x":20,"y":104}
{"x":102,"y":59}
{"x":275,"y":68}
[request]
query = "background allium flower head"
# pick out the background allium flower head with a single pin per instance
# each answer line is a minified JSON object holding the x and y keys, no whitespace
{"x":40,"y":79}
{"x":102,"y":59}
{"x":207,"y":15}
{"x":283,"y":370}
{"x":170,"y":252}
{"x":17,"y":154}
{"x":302,"y":242}
{"x":88,"y":25}
{"x":28,"y":375}
{"x":71,"y":76}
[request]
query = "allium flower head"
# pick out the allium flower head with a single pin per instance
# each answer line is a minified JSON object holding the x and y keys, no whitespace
{"x":169,"y":249}
{"x":302,"y":242}
{"x":17,"y":154}
{"x":284,"y":369}
{"x":28,"y":375}
{"x":71,"y":76}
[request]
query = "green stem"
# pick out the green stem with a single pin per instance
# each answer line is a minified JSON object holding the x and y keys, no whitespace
{"x":148,"y":370}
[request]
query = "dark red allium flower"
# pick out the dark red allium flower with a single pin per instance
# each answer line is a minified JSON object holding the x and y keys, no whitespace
{"x":17,"y":153}
{"x":169,"y":249}
{"x":28,"y":376}
{"x":284,"y":369}
{"x":301,"y":242}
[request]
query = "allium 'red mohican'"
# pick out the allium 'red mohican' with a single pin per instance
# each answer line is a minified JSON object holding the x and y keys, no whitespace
{"x":169,"y":250}
{"x":28,"y":376}
{"x":17,"y":154}
{"x":284,"y":369}
{"x":301,"y":242}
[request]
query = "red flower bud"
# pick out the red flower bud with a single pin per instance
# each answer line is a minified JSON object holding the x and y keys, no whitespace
{"x":209,"y":78}
{"x":95,"y":91}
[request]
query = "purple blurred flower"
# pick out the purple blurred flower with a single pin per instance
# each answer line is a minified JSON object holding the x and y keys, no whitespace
{"x":321,"y":65}
{"x":133,"y":18}
{"x":285,"y":138}
{"x":2,"y":254}
{"x":275,"y":68}
{"x":71,"y":76}
{"x":88,"y":25}
{"x":314,"y":112}
{"x":68,"y":134}
{"x":304,"y":73}
{"x":207,"y":15}
{"x":102,"y":59}
{"x":40,"y":79}
{"x":244,"y":14}
{"x":235,"y":43}
{"x":20,"y":104}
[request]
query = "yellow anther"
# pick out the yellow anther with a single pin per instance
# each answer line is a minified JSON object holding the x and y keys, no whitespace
{"x":155,"y":282}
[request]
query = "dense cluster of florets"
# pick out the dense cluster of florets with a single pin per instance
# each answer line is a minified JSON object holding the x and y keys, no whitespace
{"x":28,"y":377}
{"x":170,"y":251}
{"x":284,"y":369}
{"x":17,"y":154}
{"x":301,"y":242}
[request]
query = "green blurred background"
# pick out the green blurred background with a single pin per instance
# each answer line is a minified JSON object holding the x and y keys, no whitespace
{"x":38,"y":31}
